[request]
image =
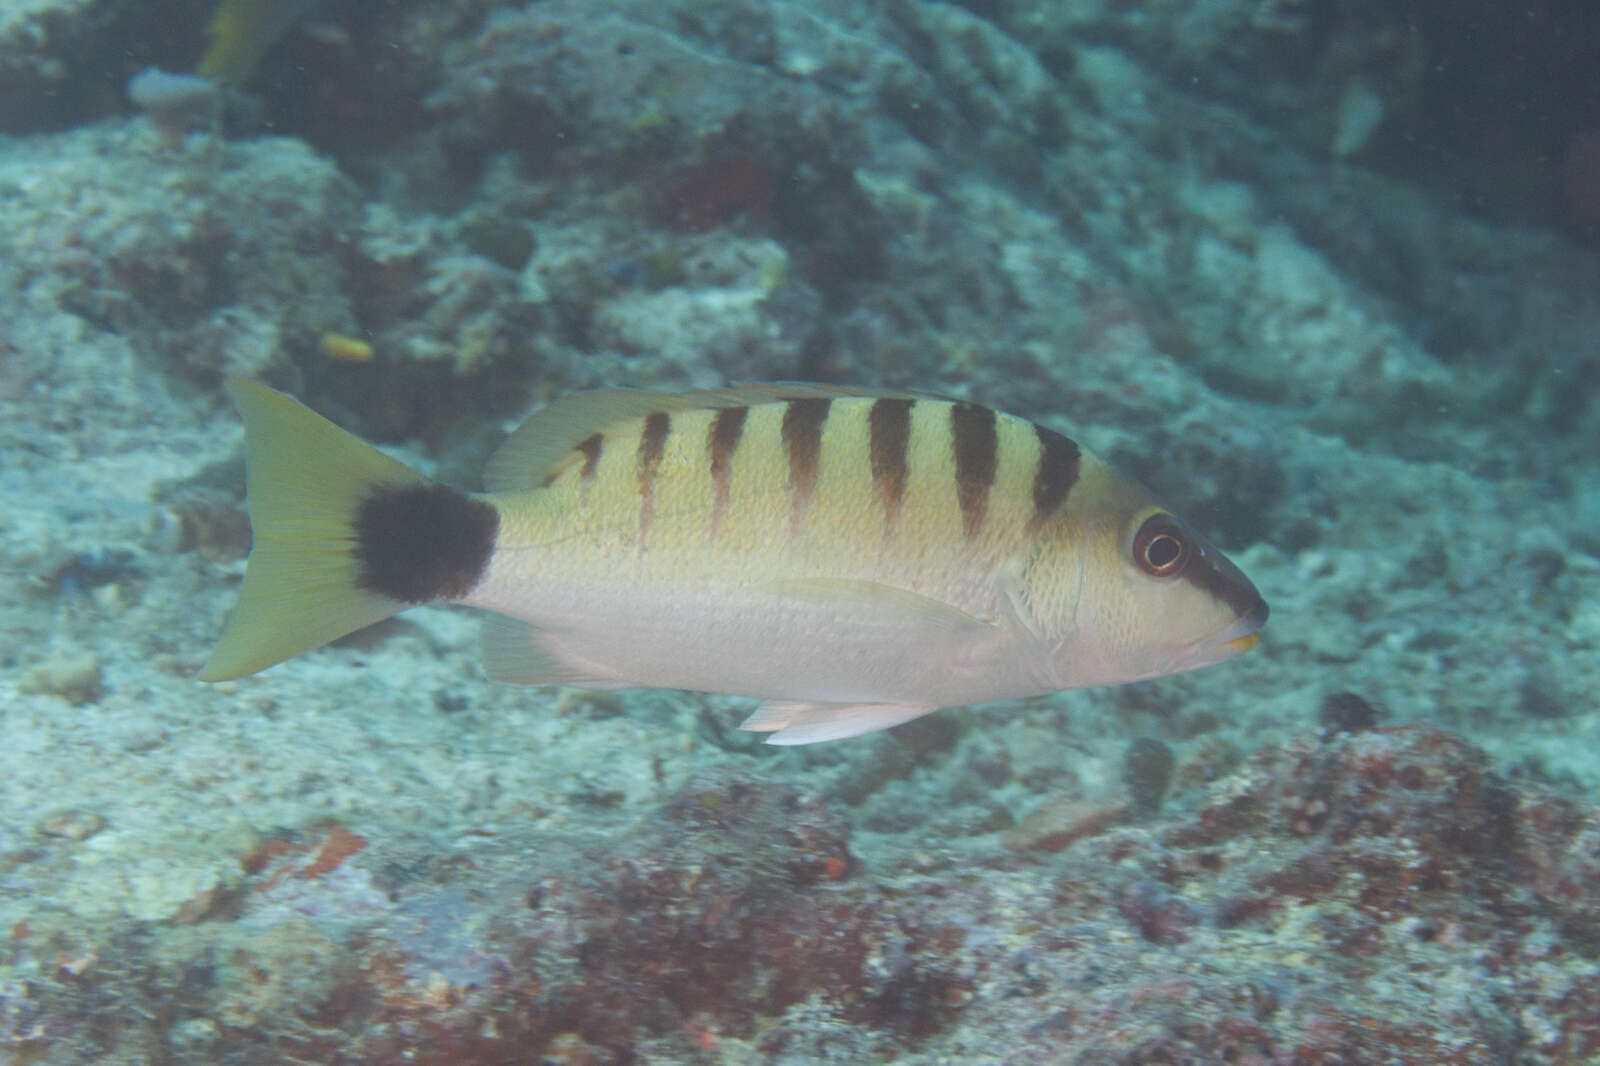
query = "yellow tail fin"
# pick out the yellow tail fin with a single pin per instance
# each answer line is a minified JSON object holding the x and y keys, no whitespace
{"x":307,"y":479}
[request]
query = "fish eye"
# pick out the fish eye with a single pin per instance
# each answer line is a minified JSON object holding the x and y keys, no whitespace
{"x":1161,"y":548}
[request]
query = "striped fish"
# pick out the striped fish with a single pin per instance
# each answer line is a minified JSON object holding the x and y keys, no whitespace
{"x":854,"y":559}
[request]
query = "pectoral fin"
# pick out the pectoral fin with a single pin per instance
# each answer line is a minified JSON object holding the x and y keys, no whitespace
{"x":802,"y":722}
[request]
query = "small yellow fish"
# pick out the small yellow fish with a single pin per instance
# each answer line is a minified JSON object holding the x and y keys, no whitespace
{"x":854,"y":559}
{"x":346,"y":349}
{"x":241,"y":32}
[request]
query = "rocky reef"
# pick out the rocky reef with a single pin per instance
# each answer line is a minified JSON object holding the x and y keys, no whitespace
{"x":1323,"y":275}
{"x":1376,"y":896}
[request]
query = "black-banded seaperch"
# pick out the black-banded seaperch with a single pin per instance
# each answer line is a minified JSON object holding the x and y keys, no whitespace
{"x":854,"y":559}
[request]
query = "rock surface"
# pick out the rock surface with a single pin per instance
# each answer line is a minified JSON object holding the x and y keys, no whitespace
{"x":1299,"y":266}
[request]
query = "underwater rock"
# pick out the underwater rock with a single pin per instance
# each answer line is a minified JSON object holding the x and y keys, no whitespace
{"x":1147,"y":768}
{"x":153,"y":249}
{"x":176,"y":103}
{"x":75,"y":676}
{"x":733,"y":911}
{"x":1347,"y":712}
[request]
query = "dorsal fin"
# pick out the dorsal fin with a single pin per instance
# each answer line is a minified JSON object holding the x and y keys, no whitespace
{"x":551,"y":433}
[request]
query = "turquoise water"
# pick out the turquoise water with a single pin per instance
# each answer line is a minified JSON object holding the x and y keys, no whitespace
{"x":1322,"y":275}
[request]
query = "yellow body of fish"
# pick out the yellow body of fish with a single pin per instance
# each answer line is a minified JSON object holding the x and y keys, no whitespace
{"x":856,"y":560}
{"x":240,"y":33}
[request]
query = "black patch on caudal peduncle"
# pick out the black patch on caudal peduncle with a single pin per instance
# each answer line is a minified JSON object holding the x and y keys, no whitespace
{"x":416,"y":543}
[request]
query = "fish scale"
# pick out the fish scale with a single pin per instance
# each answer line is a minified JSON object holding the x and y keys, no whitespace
{"x":768,"y":511}
{"x":853,"y":558}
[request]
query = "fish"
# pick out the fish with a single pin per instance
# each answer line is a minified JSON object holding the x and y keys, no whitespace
{"x":852,"y":558}
{"x":242,"y":31}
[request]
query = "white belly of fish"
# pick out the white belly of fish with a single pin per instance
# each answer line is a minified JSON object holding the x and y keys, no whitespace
{"x":838,"y":641}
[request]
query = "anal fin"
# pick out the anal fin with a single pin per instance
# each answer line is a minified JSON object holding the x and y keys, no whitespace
{"x":810,"y":722}
{"x":519,"y":654}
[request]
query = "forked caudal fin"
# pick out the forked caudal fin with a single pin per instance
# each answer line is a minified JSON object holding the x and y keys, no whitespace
{"x":343,"y":536}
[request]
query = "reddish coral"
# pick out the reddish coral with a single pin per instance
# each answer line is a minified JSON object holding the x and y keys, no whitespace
{"x":340,"y":845}
{"x":719,"y":190}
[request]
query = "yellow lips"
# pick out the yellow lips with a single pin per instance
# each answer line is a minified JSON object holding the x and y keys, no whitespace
{"x":1240,"y":644}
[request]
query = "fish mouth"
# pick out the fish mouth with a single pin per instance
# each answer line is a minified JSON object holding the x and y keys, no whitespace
{"x":1240,"y":635}
{"x":1239,"y":644}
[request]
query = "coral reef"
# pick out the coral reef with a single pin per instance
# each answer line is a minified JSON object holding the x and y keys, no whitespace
{"x":1323,"y":275}
{"x":1454,"y":919}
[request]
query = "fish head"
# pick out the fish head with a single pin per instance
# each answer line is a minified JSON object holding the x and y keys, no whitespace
{"x":1152,"y":597}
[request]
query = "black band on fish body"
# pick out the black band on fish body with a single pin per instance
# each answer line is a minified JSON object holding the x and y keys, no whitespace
{"x":1057,"y":473}
{"x":889,"y":440}
{"x":975,"y":446}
